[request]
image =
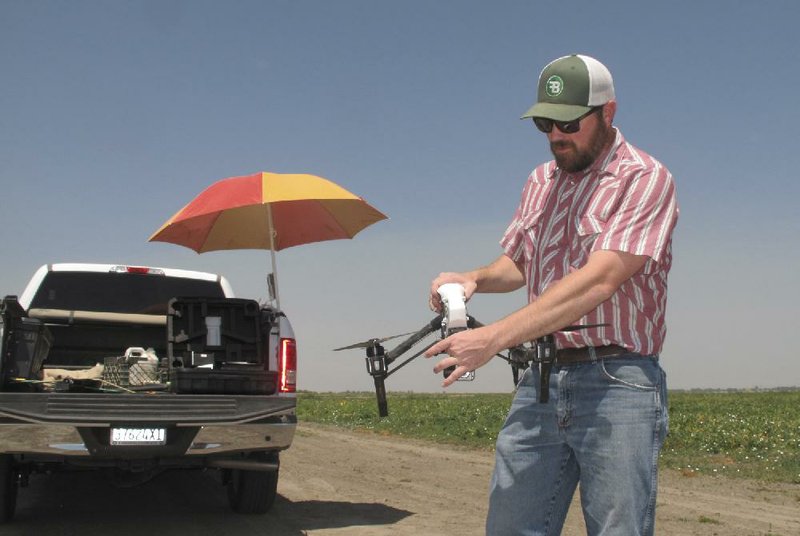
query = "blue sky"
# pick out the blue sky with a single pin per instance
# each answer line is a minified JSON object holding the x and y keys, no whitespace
{"x":114,"y":114}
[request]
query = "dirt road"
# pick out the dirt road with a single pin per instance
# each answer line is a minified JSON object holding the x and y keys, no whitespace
{"x":415,"y":488}
{"x":335,"y":482}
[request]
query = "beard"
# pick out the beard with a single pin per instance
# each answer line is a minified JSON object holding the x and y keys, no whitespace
{"x":577,"y":160}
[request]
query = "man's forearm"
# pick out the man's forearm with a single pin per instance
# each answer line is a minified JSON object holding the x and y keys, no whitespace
{"x":503,"y":275}
{"x":568,"y":299}
{"x":561,"y":305}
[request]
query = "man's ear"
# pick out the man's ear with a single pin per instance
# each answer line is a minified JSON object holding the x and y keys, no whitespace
{"x":609,"y":110}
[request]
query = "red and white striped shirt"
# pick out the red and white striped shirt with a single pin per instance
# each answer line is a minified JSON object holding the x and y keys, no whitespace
{"x":624,"y":202}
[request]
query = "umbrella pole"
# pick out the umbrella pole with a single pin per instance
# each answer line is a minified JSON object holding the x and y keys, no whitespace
{"x":272,"y":254}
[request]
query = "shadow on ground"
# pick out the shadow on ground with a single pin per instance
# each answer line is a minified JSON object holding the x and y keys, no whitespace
{"x":175,"y":503}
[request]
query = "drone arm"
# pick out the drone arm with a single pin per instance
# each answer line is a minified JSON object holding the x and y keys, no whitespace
{"x":406,"y":345}
{"x":426,"y":330}
{"x":472,"y":323}
{"x":410,"y":359}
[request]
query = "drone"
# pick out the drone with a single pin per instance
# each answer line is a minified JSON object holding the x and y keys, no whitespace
{"x":453,"y":319}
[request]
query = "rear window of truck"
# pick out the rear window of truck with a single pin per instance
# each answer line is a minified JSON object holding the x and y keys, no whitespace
{"x":118,"y":292}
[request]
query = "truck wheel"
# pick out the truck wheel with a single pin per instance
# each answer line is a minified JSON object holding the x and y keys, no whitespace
{"x":8,"y":488}
{"x":253,"y":492}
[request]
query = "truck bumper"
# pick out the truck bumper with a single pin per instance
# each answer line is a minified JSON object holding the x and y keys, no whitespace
{"x":45,"y":427}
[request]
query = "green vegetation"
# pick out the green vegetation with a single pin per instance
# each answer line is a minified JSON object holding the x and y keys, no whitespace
{"x":749,"y":434}
{"x":746,"y":434}
{"x":469,"y":420}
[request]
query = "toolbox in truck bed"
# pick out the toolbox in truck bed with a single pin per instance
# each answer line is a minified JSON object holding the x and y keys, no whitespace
{"x":212,"y":331}
{"x":218,"y":346}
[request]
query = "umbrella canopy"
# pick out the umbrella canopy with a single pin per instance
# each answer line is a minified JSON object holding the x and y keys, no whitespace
{"x":267,"y":211}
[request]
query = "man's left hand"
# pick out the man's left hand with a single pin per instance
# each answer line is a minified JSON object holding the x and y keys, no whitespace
{"x":467,"y":350}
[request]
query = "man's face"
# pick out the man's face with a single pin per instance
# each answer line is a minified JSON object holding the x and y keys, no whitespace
{"x":576,"y":152}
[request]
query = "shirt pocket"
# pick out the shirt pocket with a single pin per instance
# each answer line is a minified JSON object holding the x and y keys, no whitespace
{"x":532,"y":228}
{"x":592,"y":223}
{"x":587,"y":231}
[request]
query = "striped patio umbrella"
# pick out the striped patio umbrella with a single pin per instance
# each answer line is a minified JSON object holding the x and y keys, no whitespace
{"x":271,"y":211}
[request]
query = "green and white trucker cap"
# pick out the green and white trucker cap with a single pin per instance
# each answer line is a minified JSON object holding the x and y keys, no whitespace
{"x":571,"y":86}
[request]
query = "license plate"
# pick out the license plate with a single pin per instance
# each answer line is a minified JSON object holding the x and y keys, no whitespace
{"x":138,"y":436}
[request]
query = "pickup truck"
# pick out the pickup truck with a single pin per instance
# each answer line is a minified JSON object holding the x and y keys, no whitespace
{"x":136,"y":370}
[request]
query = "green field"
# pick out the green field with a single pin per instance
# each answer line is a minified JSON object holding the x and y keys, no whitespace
{"x":740,"y":434}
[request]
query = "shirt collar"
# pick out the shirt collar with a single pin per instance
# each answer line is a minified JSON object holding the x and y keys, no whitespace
{"x":607,"y":163}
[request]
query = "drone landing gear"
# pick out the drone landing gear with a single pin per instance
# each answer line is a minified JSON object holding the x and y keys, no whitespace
{"x":545,"y":357}
{"x":541,"y":355}
{"x":378,"y":368}
{"x":378,"y":360}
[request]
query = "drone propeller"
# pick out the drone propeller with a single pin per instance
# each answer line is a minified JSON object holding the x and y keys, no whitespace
{"x":582,"y":326}
{"x":370,"y":342}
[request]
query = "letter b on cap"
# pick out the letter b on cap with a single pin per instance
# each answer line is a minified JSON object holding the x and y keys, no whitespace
{"x":554,"y":86}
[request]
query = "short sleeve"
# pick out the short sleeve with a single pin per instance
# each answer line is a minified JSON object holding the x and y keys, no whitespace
{"x":646,"y":215}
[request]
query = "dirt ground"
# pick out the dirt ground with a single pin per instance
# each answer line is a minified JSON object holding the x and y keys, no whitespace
{"x":381,"y":485}
{"x":335,"y":482}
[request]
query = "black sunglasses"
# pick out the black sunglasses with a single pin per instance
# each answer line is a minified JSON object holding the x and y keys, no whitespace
{"x":567,"y":127}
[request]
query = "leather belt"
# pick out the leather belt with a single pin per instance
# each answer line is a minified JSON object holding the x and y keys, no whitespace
{"x":567,"y":356}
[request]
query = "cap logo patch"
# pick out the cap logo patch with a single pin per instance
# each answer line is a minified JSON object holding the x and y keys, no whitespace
{"x":554,"y":86}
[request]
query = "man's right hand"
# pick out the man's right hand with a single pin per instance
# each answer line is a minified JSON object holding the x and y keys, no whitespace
{"x":435,"y":301}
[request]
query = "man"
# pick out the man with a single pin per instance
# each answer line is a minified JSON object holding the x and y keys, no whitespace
{"x":591,"y":239}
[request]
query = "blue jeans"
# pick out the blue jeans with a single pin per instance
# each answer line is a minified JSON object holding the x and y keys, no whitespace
{"x":604,"y":426}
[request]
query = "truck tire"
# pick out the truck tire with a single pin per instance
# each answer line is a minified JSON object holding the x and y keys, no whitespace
{"x":253,"y":492}
{"x":8,"y":488}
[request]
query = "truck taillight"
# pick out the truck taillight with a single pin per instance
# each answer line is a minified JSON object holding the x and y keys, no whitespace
{"x":287,"y":365}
